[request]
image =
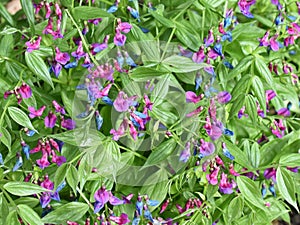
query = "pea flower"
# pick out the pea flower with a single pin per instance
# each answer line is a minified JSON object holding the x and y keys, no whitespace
{"x":134,"y":13}
{"x":212,"y":177}
{"x":226,"y":186}
{"x":79,"y":53}
{"x":120,"y":220}
{"x":19,"y":163}
{"x":119,"y":38}
{"x":210,"y":38}
{"x":33,"y":44}
{"x":102,"y":196}
{"x":122,"y":102}
{"x":223,"y":97}
{"x":124,"y":27}
{"x":198,"y":57}
{"x":69,"y":124}
{"x":186,"y":153}
{"x":50,"y":120}
{"x":36,"y":113}
{"x":226,"y":152}
{"x":61,"y":57}
{"x":25,"y":90}
{"x":244,"y":6}
{"x":25,"y":149}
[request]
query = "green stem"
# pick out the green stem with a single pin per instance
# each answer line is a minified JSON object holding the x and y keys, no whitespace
{"x":203,"y":24}
{"x":133,"y":152}
{"x":168,"y":43}
{"x":84,"y":42}
{"x":86,"y":200}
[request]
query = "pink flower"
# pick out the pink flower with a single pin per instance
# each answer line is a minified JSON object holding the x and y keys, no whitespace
{"x":34,"y":113}
{"x":33,"y":45}
{"x":284,"y":112}
{"x":121,"y":131}
{"x":198,"y":57}
{"x":58,"y":108}
{"x":69,"y":124}
{"x":223,"y":97}
{"x":191,"y":96}
{"x":50,"y":120}
{"x":61,"y":57}
{"x":226,"y":186}
{"x":123,"y":26}
{"x":43,"y":162}
{"x":119,"y":38}
{"x":120,"y":220}
{"x":122,"y":102}
{"x":25,"y":90}
{"x":274,"y":44}
{"x":79,"y":53}
{"x":212,"y":177}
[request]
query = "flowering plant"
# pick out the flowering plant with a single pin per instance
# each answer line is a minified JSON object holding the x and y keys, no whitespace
{"x":149,"y":112}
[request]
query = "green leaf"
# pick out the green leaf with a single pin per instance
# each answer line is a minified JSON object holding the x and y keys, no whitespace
{"x":6,"y":15}
{"x":187,"y":36}
{"x":160,"y":90}
{"x":27,"y":7}
{"x":60,"y":175}
{"x":12,"y":218}
{"x":255,"y":155}
{"x":264,"y":71}
{"x":84,"y":169}
{"x":162,"y":152}
{"x":251,"y":108}
{"x":241,"y":86}
{"x":73,"y":178}
{"x":20,"y":117}
{"x":286,"y":186}
{"x":88,"y":13}
{"x":291,"y":160}
{"x":4,"y":209}
{"x":234,"y":209}
{"x":181,"y":64}
{"x":164,"y":21}
{"x":250,"y":191}
{"x":5,"y":138}
{"x":259,"y":91}
{"x":72,"y":211}
{"x":29,"y":201}
{"x":241,"y":67}
{"x":37,"y":65}
{"x":237,"y":104}
{"x":23,"y":188}
{"x":145,"y":73}
{"x":158,"y":189}
{"x":29,"y":215}
{"x":240,"y":156}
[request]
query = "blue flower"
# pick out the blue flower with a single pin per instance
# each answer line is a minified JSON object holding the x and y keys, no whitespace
{"x":99,"y":120}
{"x":112,"y":9}
{"x":18,"y":164}
{"x":1,"y":159}
{"x":107,"y":100}
{"x":26,"y":150}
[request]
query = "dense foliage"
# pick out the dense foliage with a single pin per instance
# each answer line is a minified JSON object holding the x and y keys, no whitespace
{"x":139,"y":112}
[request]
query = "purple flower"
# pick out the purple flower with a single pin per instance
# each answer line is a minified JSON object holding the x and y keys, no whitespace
{"x":96,"y":47}
{"x":121,"y":131}
{"x":45,"y":199}
{"x":43,"y":162}
{"x":120,"y":220}
{"x":223,"y":97}
{"x":198,"y":57}
{"x":265,"y":40}
{"x":226,"y":186}
{"x":25,"y":90}
{"x":123,"y":26}
{"x":119,"y":38}
{"x":284,"y":112}
{"x":61,"y":57}
{"x":58,"y":11}
{"x":69,"y":124}
{"x":48,"y":10}
{"x":87,"y":62}
{"x":244,"y":6}
{"x":186,"y":153}
{"x":270,"y":173}
{"x":195,"y":112}
{"x":50,"y":120}
{"x":122,"y":102}
{"x":206,"y":148}
{"x":56,"y":68}
{"x":102,"y":196}
{"x":58,"y":108}
{"x":212,"y":177}
{"x":210,"y":38}
{"x":58,"y":160}
{"x":33,"y":45}
{"x":274,"y":44}
{"x":79,"y":53}
{"x":34,"y":113}
{"x":191,"y":96}
{"x":279,"y":128}
{"x":270,"y":94}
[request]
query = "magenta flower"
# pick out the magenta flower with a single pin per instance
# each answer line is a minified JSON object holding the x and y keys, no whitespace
{"x":69,"y":124}
{"x":56,"y":68}
{"x":79,"y":53}
{"x":206,"y":148}
{"x":33,"y":45}
{"x":279,"y":128}
{"x":58,"y":160}
{"x":58,"y":108}
{"x":265,"y":40}
{"x":132,"y":131}
{"x":198,"y":57}
{"x":232,"y":171}
{"x":120,"y":220}
{"x":212,"y":54}
{"x":223,"y":97}
{"x":244,"y":6}
{"x":123,"y":26}
{"x":87,"y":62}
{"x":195,"y":112}
{"x":61,"y":57}
{"x":48,"y":10}
{"x":191,"y":96}
{"x":102,"y":196}
{"x":270,"y":94}
{"x":122,"y":102}
{"x":119,"y":38}
{"x":284,"y":112}
{"x":50,"y":120}
{"x":58,"y":11}
{"x":25,"y":90}
{"x":34,"y":113}
{"x":212,"y":177}
{"x":121,"y":131}
{"x":274,"y":44}
{"x":270,"y":173}
{"x":226,"y":186}
{"x":49,"y":28}
{"x":43,"y":162}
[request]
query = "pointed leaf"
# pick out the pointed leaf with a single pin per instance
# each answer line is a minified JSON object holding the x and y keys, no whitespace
{"x":259,"y":91}
{"x":23,"y":188}
{"x":20,"y":117}
{"x":29,"y":215}
{"x":87,"y":13}
{"x":37,"y":65}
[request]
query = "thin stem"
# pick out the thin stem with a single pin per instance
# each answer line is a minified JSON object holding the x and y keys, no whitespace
{"x":82,"y":38}
{"x":86,"y":200}
{"x":133,"y":152}
{"x":203,"y":24}
{"x":168,"y":43}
